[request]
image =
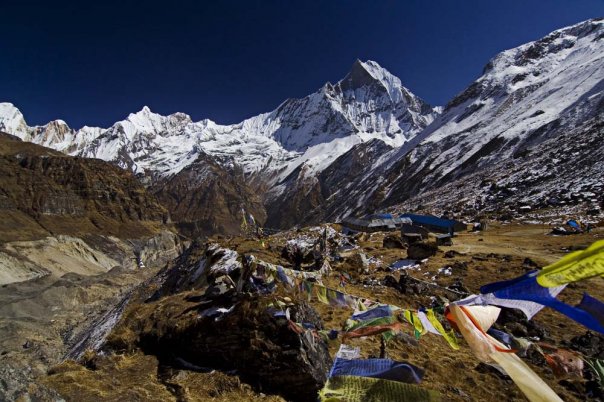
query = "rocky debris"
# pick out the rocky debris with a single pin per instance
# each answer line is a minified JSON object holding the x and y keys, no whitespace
{"x":393,"y":241}
{"x":298,"y":252}
{"x":422,"y":250}
{"x":158,"y":250}
{"x":358,"y":263}
{"x":589,"y":344}
{"x":59,"y":313}
{"x":202,"y":264}
{"x":514,"y":322}
{"x":406,"y":284}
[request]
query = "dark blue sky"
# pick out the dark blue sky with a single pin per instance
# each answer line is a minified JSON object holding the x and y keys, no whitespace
{"x":228,"y":60}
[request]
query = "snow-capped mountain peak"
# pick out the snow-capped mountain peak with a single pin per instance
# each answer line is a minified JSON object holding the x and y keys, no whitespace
{"x":368,"y":72}
{"x":12,"y":120}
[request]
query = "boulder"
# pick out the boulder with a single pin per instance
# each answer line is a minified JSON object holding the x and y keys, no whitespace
{"x":237,"y":333}
{"x":409,"y":285}
{"x":393,"y":241}
{"x":298,"y":253}
{"x":359,"y":263}
{"x":589,"y":344}
{"x":421,"y":250}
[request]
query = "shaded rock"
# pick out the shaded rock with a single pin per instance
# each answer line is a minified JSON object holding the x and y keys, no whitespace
{"x":514,"y":321}
{"x":199,"y":266}
{"x":390,"y":281}
{"x":421,"y":250}
{"x":264,"y":349}
{"x":393,"y":241}
{"x":589,"y":344}
{"x":459,"y":266}
{"x":529,"y":264}
{"x":517,"y":329}
{"x":459,"y":286}
{"x":451,"y":254}
{"x":409,"y":285}
{"x":358,"y":262}
{"x":488,"y":369}
{"x":297,"y":253}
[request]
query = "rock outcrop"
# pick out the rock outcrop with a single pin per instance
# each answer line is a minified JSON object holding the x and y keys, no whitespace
{"x":44,"y":192}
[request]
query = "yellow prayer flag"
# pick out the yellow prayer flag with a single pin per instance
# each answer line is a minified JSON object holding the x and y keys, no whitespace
{"x":413,"y":319}
{"x":417,"y":323}
{"x":449,"y":336}
{"x":322,"y":294}
{"x":365,"y":389}
{"x":574,"y":267}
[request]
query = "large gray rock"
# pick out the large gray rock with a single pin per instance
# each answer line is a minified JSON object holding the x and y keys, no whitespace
{"x":421,"y":250}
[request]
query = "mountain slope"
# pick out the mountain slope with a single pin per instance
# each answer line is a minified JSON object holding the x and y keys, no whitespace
{"x":205,"y":198}
{"x":44,"y":192}
{"x":525,"y":103}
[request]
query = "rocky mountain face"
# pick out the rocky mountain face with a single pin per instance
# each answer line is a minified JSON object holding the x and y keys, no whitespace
{"x":531,"y":123}
{"x":76,"y":235}
{"x":364,"y":143}
{"x":63,"y":214}
{"x":45,"y":192}
{"x":206,"y":198}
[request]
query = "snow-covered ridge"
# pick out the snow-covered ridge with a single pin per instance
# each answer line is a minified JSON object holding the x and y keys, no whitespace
{"x":368,"y":103}
{"x":557,"y":80}
{"x":532,"y":95}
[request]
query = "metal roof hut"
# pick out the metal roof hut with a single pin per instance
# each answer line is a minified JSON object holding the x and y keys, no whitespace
{"x":374,"y":223}
{"x":435,"y":224}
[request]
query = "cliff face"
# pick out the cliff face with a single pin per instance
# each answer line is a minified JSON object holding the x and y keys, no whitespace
{"x":75,"y":236}
{"x":206,"y":198}
{"x":44,"y":192}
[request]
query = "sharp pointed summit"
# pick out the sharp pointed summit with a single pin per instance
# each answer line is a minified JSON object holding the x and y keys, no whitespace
{"x":358,"y":76}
